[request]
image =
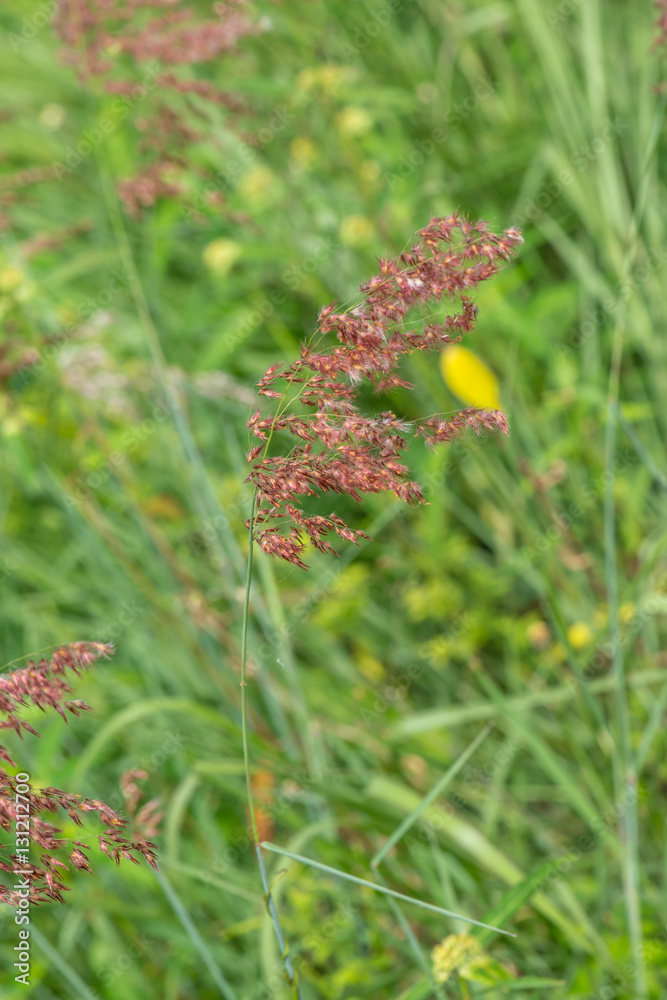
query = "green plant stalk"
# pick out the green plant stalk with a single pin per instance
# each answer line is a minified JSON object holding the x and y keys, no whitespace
{"x":428,"y":799}
{"x":186,"y":921}
{"x":270,"y":905}
{"x":244,"y":685}
{"x":627,"y":780}
{"x":376,"y":887}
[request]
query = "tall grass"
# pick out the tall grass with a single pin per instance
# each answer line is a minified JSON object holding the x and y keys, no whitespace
{"x":503,"y":595}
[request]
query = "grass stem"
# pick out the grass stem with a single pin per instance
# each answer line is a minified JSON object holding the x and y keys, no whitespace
{"x":270,"y":905}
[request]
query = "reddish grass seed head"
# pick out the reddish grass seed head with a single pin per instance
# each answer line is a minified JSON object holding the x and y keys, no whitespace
{"x":345,"y":452}
{"x":43,"y":684}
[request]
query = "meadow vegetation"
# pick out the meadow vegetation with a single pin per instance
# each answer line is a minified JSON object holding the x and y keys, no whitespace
{"x":484,"y":673}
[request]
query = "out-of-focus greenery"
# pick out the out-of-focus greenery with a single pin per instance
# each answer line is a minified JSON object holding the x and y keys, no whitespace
{"x":539,"y":559}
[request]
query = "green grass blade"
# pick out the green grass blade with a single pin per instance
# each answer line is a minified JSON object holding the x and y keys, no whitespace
{"x":377,"y":888}
{"x":421,"y":722}
{"x":60,"y":963}
{"x":515,"y":899}
{"x":428,"y":799}
{"x":216,"y":975}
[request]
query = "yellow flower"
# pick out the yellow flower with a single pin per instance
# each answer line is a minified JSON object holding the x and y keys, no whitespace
{"x":163,"y":506}
{"x":369,"y":666}
{"x":220,"y":256}
{"x":52,"y":116}
{"x":626,"y":612}
{"x":355,"y":230}
{"x":469,"y":378}
{"x":10,"y":278}
{"x":328,"y":78}
{"x":455,"y":952}
{"x":333,"y":77}
{"x":303,"y":151}
{"x":256,"y":184}
{"x":579,"y":635}
{"x":369,"y":171}
{"x":307,"y":78}
{"x":353,"y":121}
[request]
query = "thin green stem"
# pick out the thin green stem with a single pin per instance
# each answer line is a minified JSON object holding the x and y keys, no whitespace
{"x":626,"y":781}
{"x":379,"y":888}
{"x":428,"y":799}
{"x":270,"y":905}
{"x":244,"y":684}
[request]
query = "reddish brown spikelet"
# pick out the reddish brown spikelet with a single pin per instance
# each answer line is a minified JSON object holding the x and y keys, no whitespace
{"x":344,"y":451}
{"x":147,"y":52}
{"x":661,"y":24}
{"x":43,"y":684}
{"x":79,"y":860}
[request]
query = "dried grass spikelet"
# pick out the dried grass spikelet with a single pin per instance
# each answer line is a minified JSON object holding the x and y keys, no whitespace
{"x":343,"y":451}
{"x":43,"y":684}
{"x":661,"y":24}
{"x":148,"y":52}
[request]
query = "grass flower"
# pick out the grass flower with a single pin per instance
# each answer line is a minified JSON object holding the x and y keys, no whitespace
{"x":341,"y":450}
{"x":453,"y":954}
{"x":148,"y":54}
{"x":43,"y":684}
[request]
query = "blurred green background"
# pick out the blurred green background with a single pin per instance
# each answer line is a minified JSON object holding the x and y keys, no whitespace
{"x":530,"y":592}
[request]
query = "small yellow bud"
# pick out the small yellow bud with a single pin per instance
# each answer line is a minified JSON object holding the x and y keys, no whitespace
{"x":579,"y":635}
{"x":455,"y":951}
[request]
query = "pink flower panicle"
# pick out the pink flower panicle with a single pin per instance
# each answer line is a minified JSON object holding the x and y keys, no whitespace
{"x":150,"y":54}
{"x":42,"y":684}
{"x":342,"y":451}
{"x":661,"y":24}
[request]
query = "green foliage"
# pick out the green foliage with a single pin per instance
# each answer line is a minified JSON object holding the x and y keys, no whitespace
{"x":122,"y":506}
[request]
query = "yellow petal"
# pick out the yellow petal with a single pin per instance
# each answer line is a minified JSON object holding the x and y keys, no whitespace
{"x":221,"y":255}
{"x":580,"y":635}
{"x":469,"y":378}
